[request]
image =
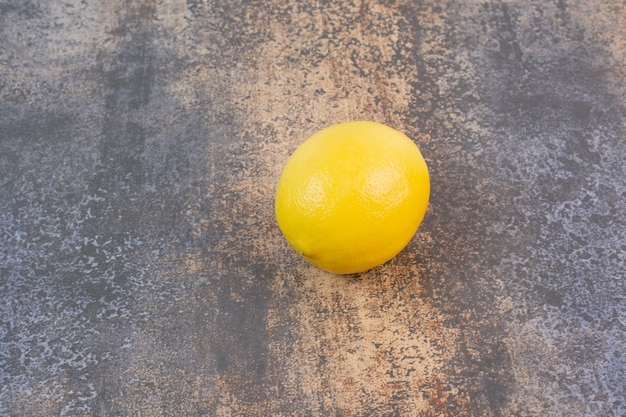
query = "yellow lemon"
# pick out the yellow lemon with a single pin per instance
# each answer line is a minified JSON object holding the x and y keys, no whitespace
{"x":352,"y":196}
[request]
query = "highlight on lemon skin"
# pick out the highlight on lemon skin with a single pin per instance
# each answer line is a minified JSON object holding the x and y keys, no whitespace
{"x":352,"y":196}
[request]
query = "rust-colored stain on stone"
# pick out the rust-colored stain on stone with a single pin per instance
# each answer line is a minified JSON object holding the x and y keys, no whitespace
{"x":141,"y":268}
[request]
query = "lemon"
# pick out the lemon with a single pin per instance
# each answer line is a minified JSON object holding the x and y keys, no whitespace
{"x":352,"y":196}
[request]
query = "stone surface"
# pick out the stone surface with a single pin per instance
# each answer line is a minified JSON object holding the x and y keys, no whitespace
{"x":141,"y":268}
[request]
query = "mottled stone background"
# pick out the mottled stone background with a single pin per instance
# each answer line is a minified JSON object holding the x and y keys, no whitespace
{"x":141,"y":269}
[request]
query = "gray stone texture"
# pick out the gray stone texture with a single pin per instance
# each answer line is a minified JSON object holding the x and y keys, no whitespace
{"x":142,"y":272}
